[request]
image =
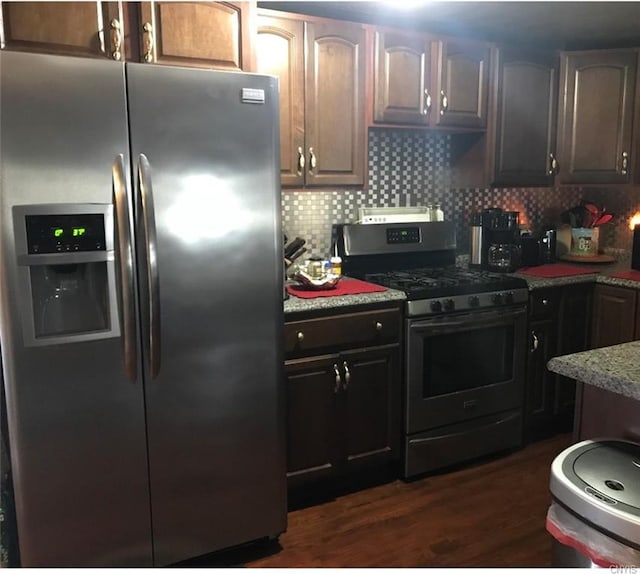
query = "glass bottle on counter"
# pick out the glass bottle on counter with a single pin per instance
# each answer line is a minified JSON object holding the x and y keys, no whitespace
{"x":336,"y":265}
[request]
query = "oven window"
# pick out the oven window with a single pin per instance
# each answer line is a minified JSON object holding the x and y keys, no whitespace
{"x":468,"y":359}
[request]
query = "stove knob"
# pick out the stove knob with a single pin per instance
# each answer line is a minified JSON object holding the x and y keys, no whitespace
{"x":508,"y":297}
{"x":449,"y":305}
{"x":436,"y":306}
{"x":474,"y":301}
{"x":496,"y":298}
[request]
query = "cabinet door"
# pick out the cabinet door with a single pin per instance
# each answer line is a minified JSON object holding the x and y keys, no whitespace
{"x":575,"y":335}
{"x":371,"y":406}
{"x":463,"y":85}
{"x":606,"y":414}
{"x":91,"y":29}
{"x":197,"y":34}
{"x":280,"y":52}
{"x":614,"y":313}
{"x":540,"y":381}
{"x":403,"y":92}
{"x":597,"y":115}
{"x":526,"y":118}
{"x":312,"y":391}
{"x":334,"y":103}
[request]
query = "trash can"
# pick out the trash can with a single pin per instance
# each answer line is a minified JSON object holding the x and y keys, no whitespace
{"x":594,"y":516}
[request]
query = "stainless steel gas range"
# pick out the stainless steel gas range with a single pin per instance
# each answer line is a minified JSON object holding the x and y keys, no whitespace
{"x":464,"y":340}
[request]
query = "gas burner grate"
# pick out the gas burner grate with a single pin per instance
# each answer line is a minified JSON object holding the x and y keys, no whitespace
{"x":441,"y":281}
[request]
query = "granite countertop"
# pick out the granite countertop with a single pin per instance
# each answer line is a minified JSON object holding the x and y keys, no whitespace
{"x":297,"y":305}
{"x":602,"y":274}
{"x":616,"y":369}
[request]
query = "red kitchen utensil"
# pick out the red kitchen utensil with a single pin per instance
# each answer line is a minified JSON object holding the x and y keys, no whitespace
{"x":604,"y":218}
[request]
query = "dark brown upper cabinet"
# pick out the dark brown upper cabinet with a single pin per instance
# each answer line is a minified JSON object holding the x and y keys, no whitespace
{"x":89,"y":29}
{"x":280,"y":52}
{"x":334,"y":103}
{"x":463,"y":84}
{"x":526,"y":109}
{"x":321,"y":97}
{"x":403,"y":83}
{"x":217,"y":35}
{"x":422,"y":81}
{"x":595,"y":128}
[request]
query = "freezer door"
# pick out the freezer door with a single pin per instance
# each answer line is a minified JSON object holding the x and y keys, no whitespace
{"x":76,"y":420}
{"x":205,"y":156}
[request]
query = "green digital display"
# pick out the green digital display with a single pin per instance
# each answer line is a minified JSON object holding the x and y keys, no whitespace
{"x":75,"y":231}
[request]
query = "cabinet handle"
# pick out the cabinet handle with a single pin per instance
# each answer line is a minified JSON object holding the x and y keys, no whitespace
{"x":313,"y":161}
{"x":116,"y":39}
{"x":444,"y":103}
{"x":300,"y":161}
{"x":347,"y":375}
{"x":427,"y":103}
{"x":378,"y":326}
{"x":300,"y":336}
{"x":535,"y":342}
{"x":336,"y":388}
{"x":148,"y":42}
{"x":545,"y":302}
{"x":625,"y":162}
{"x":553,"y":164}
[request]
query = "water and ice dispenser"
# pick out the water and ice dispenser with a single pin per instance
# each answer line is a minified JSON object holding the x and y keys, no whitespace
{"x":66,"y":272}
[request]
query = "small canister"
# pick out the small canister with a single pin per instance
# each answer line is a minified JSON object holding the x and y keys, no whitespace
{"x":336,"y":265}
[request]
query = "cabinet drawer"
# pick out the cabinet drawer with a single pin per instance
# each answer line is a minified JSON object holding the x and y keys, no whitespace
{"x":544,"y":304}
{"x":339,"y":331}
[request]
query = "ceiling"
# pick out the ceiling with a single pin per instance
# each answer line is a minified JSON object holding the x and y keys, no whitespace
{"x":568,"y":25}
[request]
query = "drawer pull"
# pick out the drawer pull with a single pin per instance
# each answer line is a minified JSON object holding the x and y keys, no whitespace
{"x":336,"y":388}
{"x":378,"y":326}
{"x":545,"y":302}
{"x":300,"y":336}
{"x":347,"y":375}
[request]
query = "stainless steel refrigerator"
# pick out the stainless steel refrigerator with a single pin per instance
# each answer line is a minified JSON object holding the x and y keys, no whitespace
{"x":140,"y":309}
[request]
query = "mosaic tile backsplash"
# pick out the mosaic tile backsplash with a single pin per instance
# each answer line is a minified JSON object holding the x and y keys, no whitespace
{"x":411,"y":168}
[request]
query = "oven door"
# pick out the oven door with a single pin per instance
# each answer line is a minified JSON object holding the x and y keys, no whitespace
{"x":464,"y":366}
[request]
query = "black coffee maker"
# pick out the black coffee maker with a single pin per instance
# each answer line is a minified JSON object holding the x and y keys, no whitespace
{"x":495,"y":240}
{"x":539,"y":250}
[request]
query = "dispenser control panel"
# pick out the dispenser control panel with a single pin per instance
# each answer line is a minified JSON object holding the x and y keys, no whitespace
{"x":65,"y":233}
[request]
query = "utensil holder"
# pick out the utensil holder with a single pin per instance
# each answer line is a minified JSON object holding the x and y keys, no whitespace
{"x":584,"y":241}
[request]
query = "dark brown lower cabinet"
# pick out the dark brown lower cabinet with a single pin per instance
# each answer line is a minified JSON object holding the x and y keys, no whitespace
{"x":602,"y":413}
{"x":343,"y":406}
{"x":559,"y":324}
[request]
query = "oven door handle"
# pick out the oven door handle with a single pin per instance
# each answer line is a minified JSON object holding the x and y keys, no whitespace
{"x":444,"y":325}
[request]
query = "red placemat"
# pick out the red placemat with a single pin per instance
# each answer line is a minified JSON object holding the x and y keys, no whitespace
{"x":345,"y":287}
{"x":555,"y":270}
{"x":633,"y":275}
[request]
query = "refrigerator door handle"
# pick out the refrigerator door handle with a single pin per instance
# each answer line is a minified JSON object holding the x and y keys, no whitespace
{"x":125,"y":267}
{"x":150,"y":246}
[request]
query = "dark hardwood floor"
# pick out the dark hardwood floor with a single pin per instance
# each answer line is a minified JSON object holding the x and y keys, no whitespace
{"x":490,"y":513}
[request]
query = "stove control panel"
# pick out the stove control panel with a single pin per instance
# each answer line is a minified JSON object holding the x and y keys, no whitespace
{"x":476,"y":301}
{"x":403,"y":235}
